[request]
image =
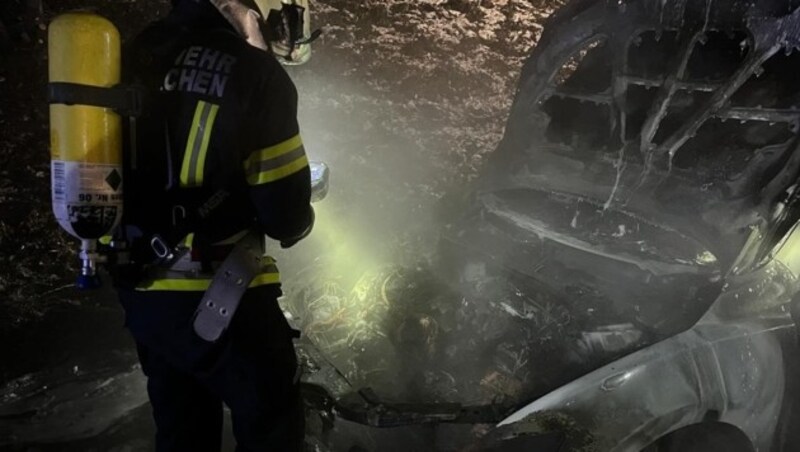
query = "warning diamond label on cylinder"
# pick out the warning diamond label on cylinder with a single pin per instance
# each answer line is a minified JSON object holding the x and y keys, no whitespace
{"x":114,"y":180}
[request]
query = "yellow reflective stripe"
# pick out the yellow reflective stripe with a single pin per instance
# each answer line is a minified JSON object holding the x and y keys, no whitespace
{"x":272,"y":175}
{"x":187,"y":153}
{"x":188,"y":285}
{"x":201,"y":159}
{"x":187,"y":242}
{"x":276,"y":151}
{"x":105,"y":240}
{"x":276,"y":162}
{"x":269,"y":275}
{"x":194,"y":156}
{"x":201,"y":285}
{"x":265,"y":279}
{"x":232,"y":239}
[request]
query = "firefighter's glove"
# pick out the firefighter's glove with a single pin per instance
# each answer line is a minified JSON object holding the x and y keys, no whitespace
{"x":291,"y":242}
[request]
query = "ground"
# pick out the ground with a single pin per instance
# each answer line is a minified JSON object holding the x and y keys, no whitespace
{"x":403,"y":99}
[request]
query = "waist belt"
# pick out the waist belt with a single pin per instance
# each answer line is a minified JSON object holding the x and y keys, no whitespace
{"x":230,"y":281}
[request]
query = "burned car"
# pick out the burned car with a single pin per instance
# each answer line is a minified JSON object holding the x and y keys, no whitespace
{"x":622,"y":275}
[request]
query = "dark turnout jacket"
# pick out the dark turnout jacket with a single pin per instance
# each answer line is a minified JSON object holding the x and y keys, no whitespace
{"x":217,"y":150}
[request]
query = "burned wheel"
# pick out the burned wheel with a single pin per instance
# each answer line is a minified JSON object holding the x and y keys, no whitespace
{"x":711,"y":437}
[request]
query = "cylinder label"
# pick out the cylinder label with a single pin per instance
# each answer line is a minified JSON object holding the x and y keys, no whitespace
{"x":87,"y":197}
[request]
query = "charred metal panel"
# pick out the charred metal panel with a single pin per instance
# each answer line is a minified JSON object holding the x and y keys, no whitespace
{"x":632,"y":402}
{"x":685,"y":111}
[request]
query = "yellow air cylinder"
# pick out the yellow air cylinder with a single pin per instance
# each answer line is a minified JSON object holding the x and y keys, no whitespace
{"x":85,"y":141}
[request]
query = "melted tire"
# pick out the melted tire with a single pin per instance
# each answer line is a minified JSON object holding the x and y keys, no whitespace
{"x":713,"y":437}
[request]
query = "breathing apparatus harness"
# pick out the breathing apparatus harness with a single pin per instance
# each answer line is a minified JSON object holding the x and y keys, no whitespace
{"x":177,"y":211}
{"x":158,"y":229}
{"x":78,"y":91}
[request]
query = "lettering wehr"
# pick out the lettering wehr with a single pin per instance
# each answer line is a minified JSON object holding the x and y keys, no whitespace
{"x":200,"y":70}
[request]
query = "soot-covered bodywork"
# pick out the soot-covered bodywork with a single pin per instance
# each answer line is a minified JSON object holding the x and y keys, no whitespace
{"x":622,"y":269}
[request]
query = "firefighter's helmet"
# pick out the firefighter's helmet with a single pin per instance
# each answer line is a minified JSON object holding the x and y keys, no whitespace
{"x":280,"y":26}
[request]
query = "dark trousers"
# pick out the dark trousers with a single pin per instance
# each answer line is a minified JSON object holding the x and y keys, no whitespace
{"x":252,"y":369}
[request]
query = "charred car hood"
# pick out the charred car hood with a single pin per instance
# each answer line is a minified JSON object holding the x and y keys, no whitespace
{"x":514,"y":306}
{"x":530,"y":290}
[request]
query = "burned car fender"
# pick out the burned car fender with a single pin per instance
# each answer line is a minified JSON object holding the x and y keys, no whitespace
{"x":725,"y":373}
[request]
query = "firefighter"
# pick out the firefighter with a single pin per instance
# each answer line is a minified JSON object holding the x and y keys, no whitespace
{"x":214,"y":160}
